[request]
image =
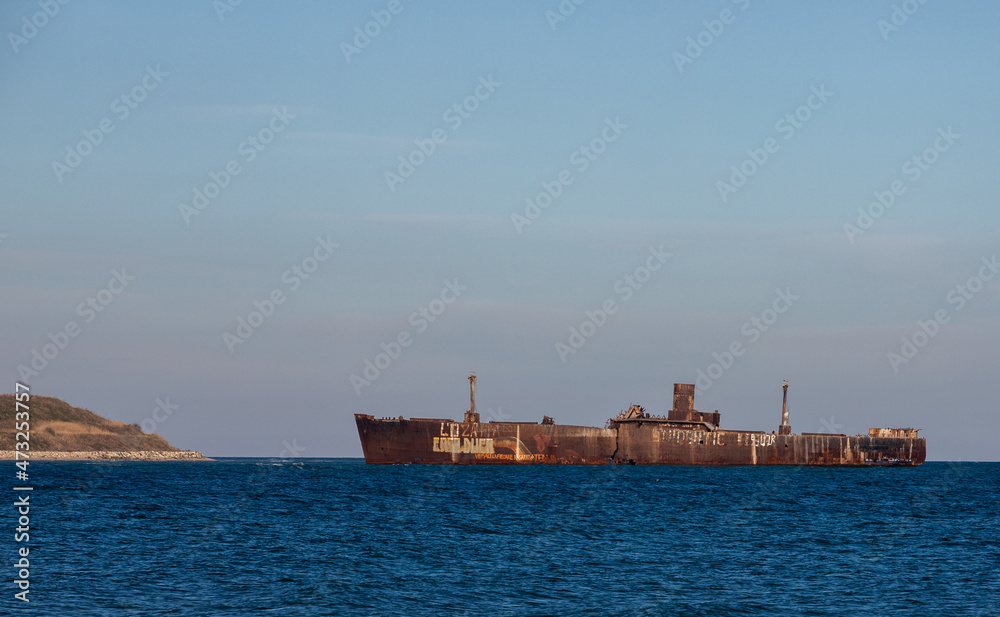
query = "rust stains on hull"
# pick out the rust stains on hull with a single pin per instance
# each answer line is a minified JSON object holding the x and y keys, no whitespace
{"x":447,"y":442}
{"x":684,"y":437}
{"x":468,"y":443}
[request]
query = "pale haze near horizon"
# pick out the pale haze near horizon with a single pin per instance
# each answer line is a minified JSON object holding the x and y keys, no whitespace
{"x":869,"y":99}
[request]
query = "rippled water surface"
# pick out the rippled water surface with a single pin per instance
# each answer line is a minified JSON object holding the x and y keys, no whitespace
{"x":337,"y":537}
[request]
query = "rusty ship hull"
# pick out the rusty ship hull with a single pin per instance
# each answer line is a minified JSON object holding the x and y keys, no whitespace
{"x":684,"y":437}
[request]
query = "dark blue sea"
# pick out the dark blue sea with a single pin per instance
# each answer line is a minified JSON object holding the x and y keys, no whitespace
{"x":337,"y":537}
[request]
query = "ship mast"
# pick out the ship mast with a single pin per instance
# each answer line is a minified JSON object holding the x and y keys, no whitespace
{"x":471,"y":415}
{"x":784,"y":429}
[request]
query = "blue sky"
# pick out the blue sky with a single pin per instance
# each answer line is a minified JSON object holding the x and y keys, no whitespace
{"x":344,"y":124}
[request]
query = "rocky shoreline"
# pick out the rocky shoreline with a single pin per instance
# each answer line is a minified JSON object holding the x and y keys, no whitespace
{"x":140,"y":455}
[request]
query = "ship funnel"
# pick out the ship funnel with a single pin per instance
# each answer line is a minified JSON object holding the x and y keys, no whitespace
{"x":784,"y":429}
{"x":471,"y":415}
{"x":684,"y":397}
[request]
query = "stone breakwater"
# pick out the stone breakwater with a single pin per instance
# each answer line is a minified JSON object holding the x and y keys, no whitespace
{"x":141,"y":455}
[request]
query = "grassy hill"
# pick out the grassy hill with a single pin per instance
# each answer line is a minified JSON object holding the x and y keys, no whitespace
{"x":57,"y":426}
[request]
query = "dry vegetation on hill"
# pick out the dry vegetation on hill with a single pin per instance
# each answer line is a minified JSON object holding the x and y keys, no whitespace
{"x":57,"y":426}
